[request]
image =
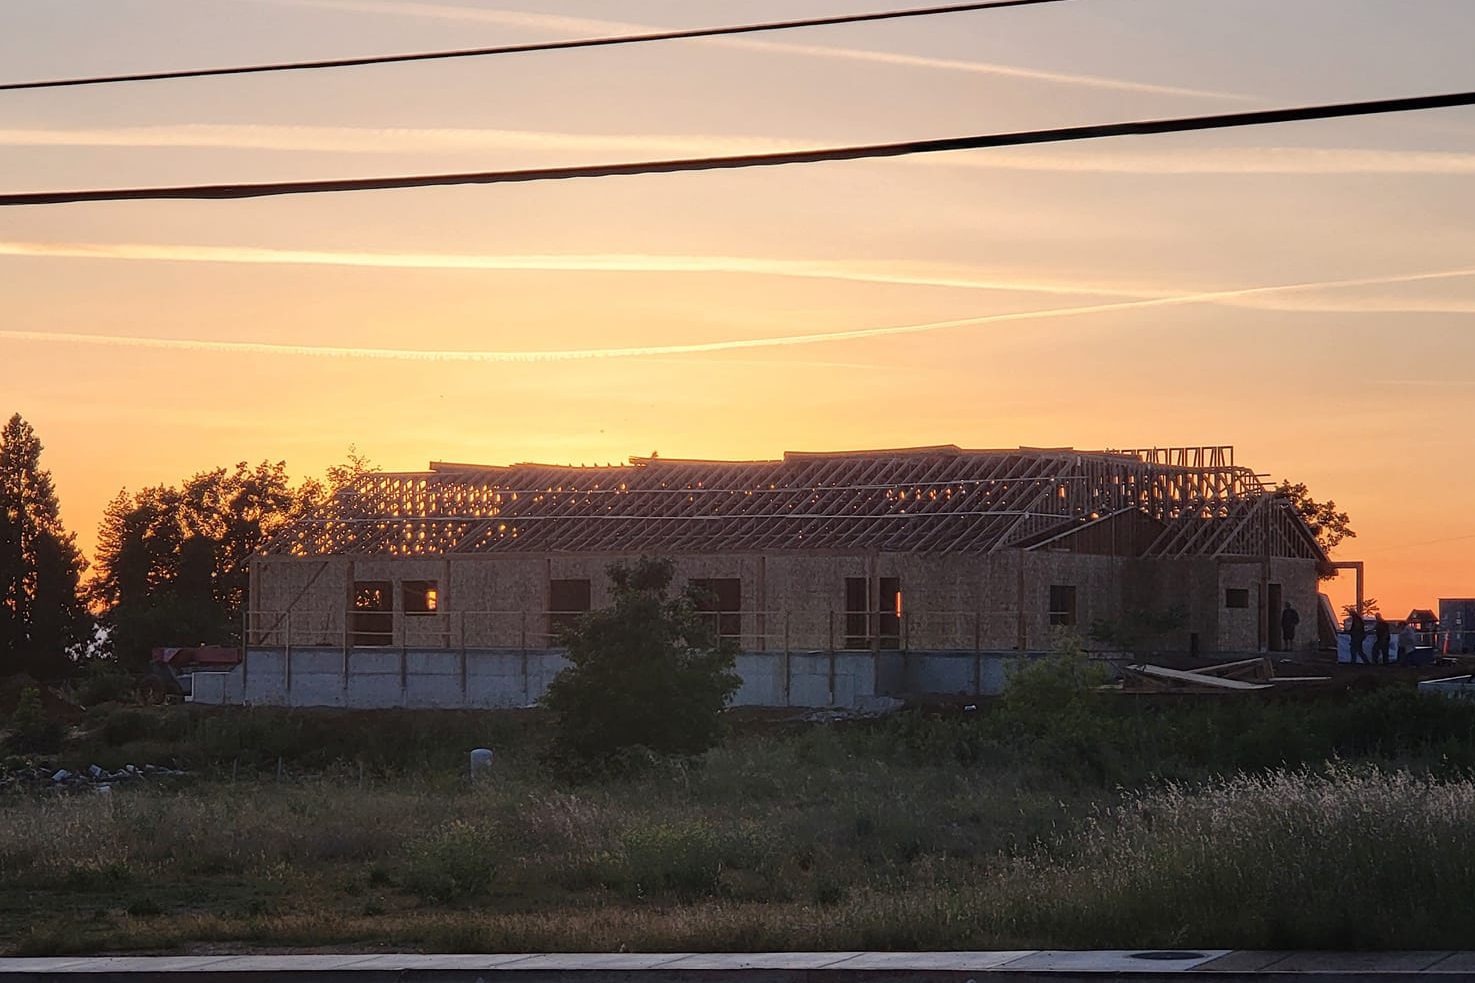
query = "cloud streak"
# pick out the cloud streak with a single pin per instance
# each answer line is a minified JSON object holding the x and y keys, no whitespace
{"x":581,"y":25}
{"x":854,"y":271}
{"x":585,"y":354}
{"x":382,"y":140}
{"x":1281,"y":161}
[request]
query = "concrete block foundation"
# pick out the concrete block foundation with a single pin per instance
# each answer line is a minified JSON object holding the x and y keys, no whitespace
{"x":490,"y":679}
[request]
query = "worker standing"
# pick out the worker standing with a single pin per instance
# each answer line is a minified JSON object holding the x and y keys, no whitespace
{"x":1289,"y":619}
{"x":1381,"y":638}
{"x":1356,"y":639}
{"x":1408,"y":640}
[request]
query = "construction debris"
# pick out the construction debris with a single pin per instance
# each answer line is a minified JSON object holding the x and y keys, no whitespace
{"x":96,"y":778}
{"x":1160,"y":679}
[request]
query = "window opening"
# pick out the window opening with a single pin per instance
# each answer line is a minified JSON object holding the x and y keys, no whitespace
{"x":567,"y":599}
{"x":1062,"y":605}
{"x":722,"y":597}
{"x":372,"y":621}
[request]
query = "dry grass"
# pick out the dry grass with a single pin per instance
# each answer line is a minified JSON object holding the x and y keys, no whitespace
{"x":1353,"y":858}
{"x":919,"y":834}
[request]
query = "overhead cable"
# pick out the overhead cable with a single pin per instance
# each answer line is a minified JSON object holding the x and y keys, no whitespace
{"x":1058,"y":135}
{"x":517,"y":49}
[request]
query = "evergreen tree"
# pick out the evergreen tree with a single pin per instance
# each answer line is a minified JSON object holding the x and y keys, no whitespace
{"x":41,"y":611}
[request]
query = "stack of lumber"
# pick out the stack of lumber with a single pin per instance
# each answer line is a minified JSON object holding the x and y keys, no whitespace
{"x":1241,"y":676}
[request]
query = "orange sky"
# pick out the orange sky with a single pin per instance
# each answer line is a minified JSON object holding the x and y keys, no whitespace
{"x":1354,"y":382}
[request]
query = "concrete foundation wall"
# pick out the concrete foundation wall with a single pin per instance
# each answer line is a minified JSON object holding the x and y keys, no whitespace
{"x":494,"y":679}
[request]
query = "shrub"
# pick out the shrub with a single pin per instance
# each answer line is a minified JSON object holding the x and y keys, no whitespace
{"x":126,"y":724}
{"x":104,"y":683}
{"x":31,"y":729}
{"x":646,"y":672}
{"x":455,"y":861}
{"x":1060,"y":688}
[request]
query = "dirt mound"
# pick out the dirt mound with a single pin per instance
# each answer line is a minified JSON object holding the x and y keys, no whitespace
{"x":57,"y":707}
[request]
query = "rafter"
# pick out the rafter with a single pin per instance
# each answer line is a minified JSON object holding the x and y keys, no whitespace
{"x":936,"y":499}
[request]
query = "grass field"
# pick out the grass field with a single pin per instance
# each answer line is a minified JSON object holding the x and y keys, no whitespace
{"x":1337,"y":823}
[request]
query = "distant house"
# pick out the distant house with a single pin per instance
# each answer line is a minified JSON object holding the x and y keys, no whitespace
{"x":840,"y":576}
{"x":1457,"y":619}
{"x":1422,"y":620}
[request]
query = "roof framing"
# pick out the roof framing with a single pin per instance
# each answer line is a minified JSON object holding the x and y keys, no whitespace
{"x":933,"y":500}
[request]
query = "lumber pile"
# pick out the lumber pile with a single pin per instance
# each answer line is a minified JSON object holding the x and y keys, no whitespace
{"x":1240,"y":676}
{"x":1161,"y":679}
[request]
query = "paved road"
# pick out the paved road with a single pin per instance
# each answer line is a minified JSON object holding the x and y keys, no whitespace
{"x":1042,"y":966}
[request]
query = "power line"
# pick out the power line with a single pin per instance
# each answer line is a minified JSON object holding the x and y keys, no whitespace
{"x":1059,"y":135}
{"x":515,"y":49}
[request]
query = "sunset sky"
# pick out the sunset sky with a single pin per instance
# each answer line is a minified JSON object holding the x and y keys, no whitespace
{"x":147,"y":340}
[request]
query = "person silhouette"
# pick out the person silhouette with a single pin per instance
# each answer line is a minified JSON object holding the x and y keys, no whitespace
{"x":1381,"y":638}
{"x":1289,"y":619}
{"x":1357,"y":638}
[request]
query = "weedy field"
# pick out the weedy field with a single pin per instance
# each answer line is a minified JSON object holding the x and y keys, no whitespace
{"x":1346,"y":822}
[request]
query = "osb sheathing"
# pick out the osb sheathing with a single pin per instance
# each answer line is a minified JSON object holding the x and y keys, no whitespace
{"x":790,"y":601}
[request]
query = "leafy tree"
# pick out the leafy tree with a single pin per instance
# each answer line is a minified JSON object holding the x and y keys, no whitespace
{"x":647,"y":672}
{"x":173,"y":562}
{"x":1328,"y":525}
{"x":354,"y":467}
{"x":31,"y":728}
{"x":41,"y":611}
{"x":1060,"y":691}
{"x":1369,"y":608}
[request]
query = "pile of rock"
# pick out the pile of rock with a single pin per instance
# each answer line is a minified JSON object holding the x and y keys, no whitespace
{"x":94,"y":777}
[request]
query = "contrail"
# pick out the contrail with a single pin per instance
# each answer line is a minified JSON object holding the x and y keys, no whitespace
{"x":452,"y":140}
{"x":562,"y":24}
{"x":584,"y":354}
{"x":851,"y":271}
{"x":384,"y":140}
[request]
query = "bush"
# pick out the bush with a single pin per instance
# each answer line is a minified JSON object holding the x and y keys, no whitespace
{"x":646,"y":673}
{"x":1060,"y":689}
{"x":127,"y":724}
{"x":103,"y":683}
{"x":31,"y":729}
{"x":455,"y":861}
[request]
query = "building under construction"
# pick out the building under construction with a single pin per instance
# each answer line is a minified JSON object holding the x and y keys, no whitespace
{"x":840,"y":576}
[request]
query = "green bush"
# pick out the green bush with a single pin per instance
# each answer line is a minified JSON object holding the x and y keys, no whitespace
{"x":31,"y":729}
{"x":127,"y":724}
{"x":455,"y":861}
{"x":1057,"y":691}
{"x":103,"y":683}
{"x":645,"y":673}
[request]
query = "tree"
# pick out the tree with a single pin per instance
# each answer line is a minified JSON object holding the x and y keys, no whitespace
{"x":1328,"y":525}
{"x":354,"y":467}
{"x":1057,"y":694}
{"x":41,"y":611}
{"x":173,"y":563}
{"x":646,"y":672}
{"x":1369,"y":608}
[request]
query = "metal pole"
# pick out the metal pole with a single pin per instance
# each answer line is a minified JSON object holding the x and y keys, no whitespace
{"x":287,"y":668}
{"x":832,"y":677}
{"x":786,"y":658}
